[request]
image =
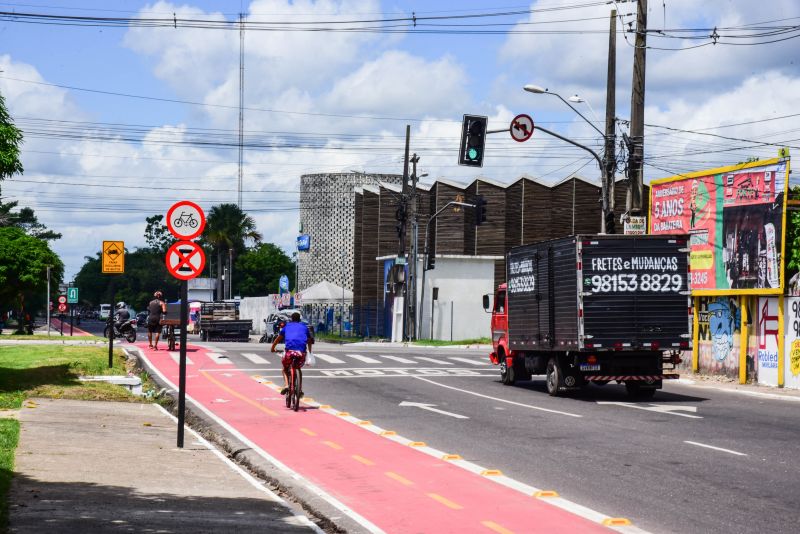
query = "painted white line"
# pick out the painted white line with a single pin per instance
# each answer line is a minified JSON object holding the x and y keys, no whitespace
{"x":365,"y":359}
{"x":327,"y":358}
{"x":219,"y":359}
{"x":568,"y":414}
{"x":465,"y":360}
{"x":397,"y":359}
{"x":253,"y":357}
{"x":775,"y":396}
{"x":430,"y":408}
{"x":715,"y":448}
{"x":177,"y":357}
{"x":313,"y":488}
{"x":661,"y":408}
{"x":432,"y":360}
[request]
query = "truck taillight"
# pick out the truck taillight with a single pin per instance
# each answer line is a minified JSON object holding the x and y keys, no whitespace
{"x":618,"y":345}
{"x":589,"y":345}
{"x":591,"y":359}
{"x":684,"y":345}
{"x":654,"y":345}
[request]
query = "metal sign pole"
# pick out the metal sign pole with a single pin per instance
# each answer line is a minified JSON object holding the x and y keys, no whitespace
{"x":111,"y":334}
{"x":71,"y":318}
{"x":182,"y":378}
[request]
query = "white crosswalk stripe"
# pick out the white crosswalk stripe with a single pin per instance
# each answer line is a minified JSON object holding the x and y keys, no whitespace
{"x":255,"y":358}
{"x":471,"y":362}
{"x":433,"y":360}
{"x":365,"y":359}
{"x":219,"y":359}
{"x":177,"y":357}
{"x":397,"y":358}
{"x":327,"y":358}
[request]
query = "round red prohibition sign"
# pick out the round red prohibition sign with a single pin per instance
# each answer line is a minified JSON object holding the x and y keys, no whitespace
{"x":62,"y":308}
{"x":521,"y":128}
{"x":62,"y":299}
{"x":186,"y":220}
{"x":185,"y":260}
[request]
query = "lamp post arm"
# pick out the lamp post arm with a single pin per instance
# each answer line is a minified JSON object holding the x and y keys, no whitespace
{"x":579,"y":113}
{"x":570,"y":141}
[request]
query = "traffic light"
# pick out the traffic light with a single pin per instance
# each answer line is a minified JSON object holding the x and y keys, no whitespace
{"x":430,"y":262}
{"x":473,"y":140}
{"x":610,"y":223}
{"x":480,"y":210}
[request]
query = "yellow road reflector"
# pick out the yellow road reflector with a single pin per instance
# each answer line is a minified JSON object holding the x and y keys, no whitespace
{"x":308,"y":399}
{"x":365,"y":423}
{"x":497,"y":528}
{"x":545,"y":493}
{"x":447,"y":502}
{"x":616,"y":522}
{"x":388,"y":433}
{"x":343,"y":414}
{"x":491,"y":472}
{"x":417,"y":444}
{"x":398,"y":478}
{"x":147,"y":424}
{"x":365,"y":461}
{"x":451,"y":457}
{"x":325,"y":407}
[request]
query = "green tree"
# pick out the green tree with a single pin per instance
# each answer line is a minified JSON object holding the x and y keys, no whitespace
{"x":228,"y":230}
{"x":259,"y":269}
{"x":157,"y":234}
{"x":792,"y":263}
{"x":10,"y":139}
{"x":23,"y":268}
{"x":26,"y":220}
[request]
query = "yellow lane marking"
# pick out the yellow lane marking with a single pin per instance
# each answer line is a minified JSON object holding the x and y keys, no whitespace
{"x":308,"y":399}
{"x":365,"y":423}
{"x":363,"y":460}
{"x":451,"y":457}
{"x":401,"y":480}
{"x":343,"y":414}
{"x":491,"y":472}
{"x":324,"y":406}
{"x":239,"y":395}
{"x":616,"y":522}
{"x":447,"y":502}
{"x":308,"y":432}
{"x":497,"y":528}
{"x":545,"y":493}
{"x":388,"y":433}
{"x":417,"y":444}
{"x":333,"y":445}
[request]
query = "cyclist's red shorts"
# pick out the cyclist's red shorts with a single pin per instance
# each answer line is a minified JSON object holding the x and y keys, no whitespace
{"x":299,"y":356}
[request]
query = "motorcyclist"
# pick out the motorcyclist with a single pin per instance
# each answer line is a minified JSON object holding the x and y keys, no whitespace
{"x":121,"y":315}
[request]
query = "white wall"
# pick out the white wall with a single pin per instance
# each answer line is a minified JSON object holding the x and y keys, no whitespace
{"x":462,"y":282}
{"x":257,"y":309}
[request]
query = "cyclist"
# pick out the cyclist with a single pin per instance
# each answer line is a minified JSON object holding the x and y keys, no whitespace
{"x":155,"y":310}
{"x":298,"y":340}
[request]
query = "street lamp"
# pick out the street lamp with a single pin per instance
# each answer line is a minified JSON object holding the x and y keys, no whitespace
{"x":536,"y":89}
{"x":579,"y":100}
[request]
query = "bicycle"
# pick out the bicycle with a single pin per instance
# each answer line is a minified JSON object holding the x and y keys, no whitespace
{"x":187,"y":218}
{"x":295,"y":381}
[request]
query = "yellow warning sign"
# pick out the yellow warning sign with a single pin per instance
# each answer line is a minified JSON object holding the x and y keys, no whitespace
{"x":113,"y":257}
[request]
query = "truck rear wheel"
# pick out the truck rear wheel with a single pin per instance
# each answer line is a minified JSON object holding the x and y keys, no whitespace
{"x":553,"y":377}
{"x":507,"y":374}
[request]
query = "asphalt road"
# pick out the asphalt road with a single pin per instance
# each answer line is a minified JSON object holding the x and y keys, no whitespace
{"x":692,"y":459}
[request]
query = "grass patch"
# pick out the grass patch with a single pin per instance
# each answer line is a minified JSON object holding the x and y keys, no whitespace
{"x":335,"y":338}
{"x":9,"y":437}
{"x":53,"y":371}
{"x":442,"y":343}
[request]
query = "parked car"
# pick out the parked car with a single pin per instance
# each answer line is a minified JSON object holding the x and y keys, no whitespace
{"x":276,"y":321}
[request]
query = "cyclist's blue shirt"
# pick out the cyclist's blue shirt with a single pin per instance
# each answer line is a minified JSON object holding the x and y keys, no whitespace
{"x":295,"y":336}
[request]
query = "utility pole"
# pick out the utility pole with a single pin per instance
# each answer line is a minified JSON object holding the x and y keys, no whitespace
{"x":411,"y":287}
{"x":636,"y":145}
{"x":609,"y":158}
{"x":241,"y":107}
{"x":402,"y":218}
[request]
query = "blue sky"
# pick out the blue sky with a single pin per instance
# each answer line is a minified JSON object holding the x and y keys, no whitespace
{"x":78,"y":143}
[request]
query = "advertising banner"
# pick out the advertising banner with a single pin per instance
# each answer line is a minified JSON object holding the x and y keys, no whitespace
{"x":734,"y":217}
{"x":791,"y":375}
{"x":767,"y":338}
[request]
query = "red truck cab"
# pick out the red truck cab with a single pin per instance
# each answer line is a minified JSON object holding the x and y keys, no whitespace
{"x":501,"y":355}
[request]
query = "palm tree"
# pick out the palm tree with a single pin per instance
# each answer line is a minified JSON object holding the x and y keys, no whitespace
{"x":228,"y":229}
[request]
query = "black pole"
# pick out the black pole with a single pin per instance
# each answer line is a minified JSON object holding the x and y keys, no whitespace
{"x":61,"y":323}
{"x":110,"y":320}
{"x":71,"y":318}
{"x":182,"y":377}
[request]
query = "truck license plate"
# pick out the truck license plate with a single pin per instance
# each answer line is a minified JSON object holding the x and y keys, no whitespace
{"x":590,"y":367}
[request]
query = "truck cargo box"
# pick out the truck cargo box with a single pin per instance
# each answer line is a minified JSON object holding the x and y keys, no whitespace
{"x":599,"y":292}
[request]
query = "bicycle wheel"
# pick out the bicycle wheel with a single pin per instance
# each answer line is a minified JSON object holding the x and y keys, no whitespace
{"x":298,"y":387}
{"x":290,"y":393}
{"x":177,"y":222}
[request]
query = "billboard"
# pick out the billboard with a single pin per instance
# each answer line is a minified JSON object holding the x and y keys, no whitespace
{"x":734,"y":217}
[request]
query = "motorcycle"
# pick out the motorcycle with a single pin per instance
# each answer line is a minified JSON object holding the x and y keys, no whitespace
{"x":125,"y":330}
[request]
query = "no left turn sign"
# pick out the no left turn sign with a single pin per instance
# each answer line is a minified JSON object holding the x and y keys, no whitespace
{"x":521,"y":128}
{"x":185,"y":260}
{"x":186,"y":220}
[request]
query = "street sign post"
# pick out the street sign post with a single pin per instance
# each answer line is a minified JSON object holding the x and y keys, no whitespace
{"x":113,"y":257}
{"x":72,"y":295}
{"x":62,"y":307}
{"x":521,"y":128}
{"x":185,"y":260}
{"x":186,"y":220}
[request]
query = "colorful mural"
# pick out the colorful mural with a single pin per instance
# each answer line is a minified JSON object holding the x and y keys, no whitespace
{"x":719,"y":329}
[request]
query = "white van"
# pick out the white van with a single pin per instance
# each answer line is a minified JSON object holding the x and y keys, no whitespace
{"x":105,"y":310}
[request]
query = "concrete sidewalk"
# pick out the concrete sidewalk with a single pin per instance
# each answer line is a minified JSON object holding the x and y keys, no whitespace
{"x":85,"y":466}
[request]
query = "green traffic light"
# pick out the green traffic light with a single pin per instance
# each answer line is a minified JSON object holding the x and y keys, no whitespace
{"x":472,"y":154}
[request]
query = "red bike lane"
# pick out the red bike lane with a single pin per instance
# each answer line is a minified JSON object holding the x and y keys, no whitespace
{"x":390,"y":486}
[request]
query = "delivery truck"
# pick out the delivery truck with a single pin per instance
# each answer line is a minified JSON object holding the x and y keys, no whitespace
{"x":593,"y":309}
